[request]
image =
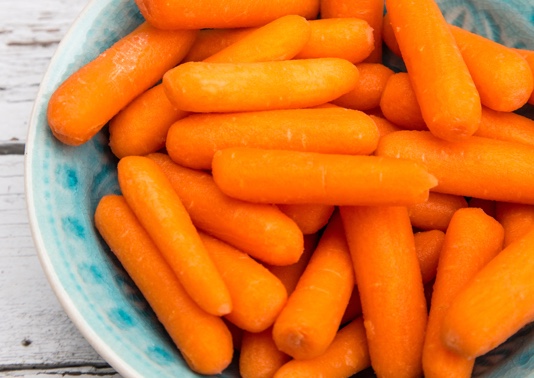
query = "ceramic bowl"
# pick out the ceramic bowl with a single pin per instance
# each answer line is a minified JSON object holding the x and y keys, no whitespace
{"x":64,"y":184}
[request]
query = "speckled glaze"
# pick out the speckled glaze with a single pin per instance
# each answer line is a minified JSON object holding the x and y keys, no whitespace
{"x":64,"y":185}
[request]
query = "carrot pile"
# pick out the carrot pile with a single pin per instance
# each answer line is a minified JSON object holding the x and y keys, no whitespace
{"x":287,"y":196}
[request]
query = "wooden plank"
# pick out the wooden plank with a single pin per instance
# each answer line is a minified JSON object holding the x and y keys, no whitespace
{"x":34,"y":331}
{"x":82,"y":371}
{"x":29,"y":34}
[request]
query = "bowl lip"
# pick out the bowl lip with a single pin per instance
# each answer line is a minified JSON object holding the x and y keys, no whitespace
{"x":106,"y":352}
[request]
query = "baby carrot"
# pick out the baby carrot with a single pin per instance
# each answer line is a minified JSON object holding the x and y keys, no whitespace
{"x":159,"y":209}
{"x":276,"y":176}
{"x":368,"y":10}
{"x":280,"y":39}
{"x":259,"y":357}
{"x":502,"y":76}
{"x":399,"y":103}
{"x":194,"y":140}
{"x":91,"y":96}
{"x":202,"y":14}
{"x":347,"y":355}
{"x":508,"y":126}
{"x":312,"y":315}
{"x":369,"y":88}
{"x":233,"y":87}
{"x":492,"y":166}
{"x":310,"y":218}
{"x":346,"y":38}
{"x":257,"y":295}
{"x":388,"y":36}
{"x":141,"y":127}
{"x":495,"y":304}
{"x":202,"y":338}
{"x":290,"y":274}
{"x":517,"y":219}
{"x":471,"y":241}
{"x":260,"y":230}
{"x":389,"y":281}
{"x":444,"y":88}
{"x":211,"y":41}
{"x":436,"y":212}
{"x":428,"y":246}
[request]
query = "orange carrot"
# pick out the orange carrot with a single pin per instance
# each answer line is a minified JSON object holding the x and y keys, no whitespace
{"x":529,"y":57}
{"x":389,"y":281}
{"x":436,"y":212}
{"x":347,"y":38}
{"x":159,"y":209}
{"x":368,"y":91}
{"x":141,"y":127}
{"x":399,"y":103}
{"x":507,"y":126}
{"x":428,"y":246}
{"x":211,"y":41}
{"x":262,"y":231}
{"x":472,"y":240}
{"x":202,"y":14}
{"x":290,"y":274}
{"x":384,"y":126}
{"x":310,"y":218}
{"x":259,"y":357}
{"x":368,"y":10}
{"x":492,"y":166}
{"x":309,"y":321}
{"x":233,"y":87}
{"x":202,"y":338}
{"x":257,"y":295}
{"x":92,"y":95}
{"x":449,"y":100}
{"x":276,"y":176}
{"x":194,"y":140}
{"x":280,"y":39}
{"x":488,"y":206}
{"x":495,"y":304}
{"x":517,"y":219}
{"x":347,"y":355}
{"x":502,"y":76}
{"x":388,"y":36}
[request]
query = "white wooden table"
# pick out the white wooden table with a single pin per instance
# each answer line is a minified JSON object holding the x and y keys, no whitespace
{"x":36,"y":336}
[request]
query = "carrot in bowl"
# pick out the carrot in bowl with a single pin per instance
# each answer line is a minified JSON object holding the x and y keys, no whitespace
{"x":233,"y":87}
{"x":495,"y":304}
{"x":436,"y":212}
{"x":203,"y":339}
{"x":276,"y":176}
{"x":346,"y":38}
{"x":517,"y":219}
{"x":91,"y":96}
{"x":310,"y":217}
{"x":471,"y":241}
{"x":159,"y":209}
{"x":261,"y":230}
{"x":388,"y":277}
{"x":259,"y":356}
{"x":309,"y":321}
{"x":492,"y":166}
{"x":257,"y":295}
{"x":193,"y":140}
{"x":202,"y":14}
{"x":450,"y":103}
{"x":502,"y":76}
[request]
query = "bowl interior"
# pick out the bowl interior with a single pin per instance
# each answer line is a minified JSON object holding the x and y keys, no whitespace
{"x":64,"y":185}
